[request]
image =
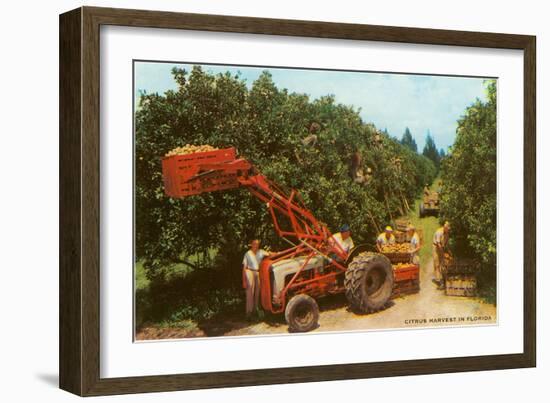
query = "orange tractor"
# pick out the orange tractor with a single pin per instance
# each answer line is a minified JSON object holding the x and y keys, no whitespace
{"x":313,"y":266}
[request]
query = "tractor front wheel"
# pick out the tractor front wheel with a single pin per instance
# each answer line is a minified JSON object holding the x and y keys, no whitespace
{"x":302,"y":313}
{"x":369,"y":282}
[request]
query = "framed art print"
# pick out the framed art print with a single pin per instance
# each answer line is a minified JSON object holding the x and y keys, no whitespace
{"x":251,"y":201}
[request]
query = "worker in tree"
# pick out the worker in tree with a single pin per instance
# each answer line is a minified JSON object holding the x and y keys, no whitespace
{"x":343,"y":239}
{"x":414,"y":244}
{"x":440,"y":242}
{"x":385,"y":238}
{"x":251,"y":276}
{"x":309,"y":141}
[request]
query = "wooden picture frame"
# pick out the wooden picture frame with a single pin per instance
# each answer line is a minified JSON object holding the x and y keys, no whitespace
{"x":79,"y":348}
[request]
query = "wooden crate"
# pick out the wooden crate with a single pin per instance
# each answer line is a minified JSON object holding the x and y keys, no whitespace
{"x":398,"y":257}
{"x":400,"y":236}
{"x":453,"y":266}
{"x":406,"y":280}
{"x":405,"y":288}
{"x":401,"y":225}
{"x":177,"y":170}
{"x":461,"y":285}
{"x":403,"y":236}
{"x":406,"y":272}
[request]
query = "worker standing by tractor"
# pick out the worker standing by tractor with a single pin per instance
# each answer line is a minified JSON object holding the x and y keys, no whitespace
{"x":295,"y":277}
{"x":440,"y":242}
{"x":414,"y":244}
{"x":385,"y":238}
{"x":343,"y":238}
{"x":251,"y":275}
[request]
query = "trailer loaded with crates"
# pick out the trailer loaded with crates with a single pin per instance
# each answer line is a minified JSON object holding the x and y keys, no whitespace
{"x":313,"y":266}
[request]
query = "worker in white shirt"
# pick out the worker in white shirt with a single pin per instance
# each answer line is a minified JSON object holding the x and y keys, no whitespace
{"x":440,"y":240}
{"x":343,"y":238}
{"x":251,"y":275}
{"x":414,"y":244}
{"x":385,"y":238}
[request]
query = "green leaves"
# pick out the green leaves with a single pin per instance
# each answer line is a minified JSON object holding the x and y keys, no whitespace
{"x":469,"y":179}
{"x":267,"y":125}
{"x":430,"y":151}
{"x":408,"y":140}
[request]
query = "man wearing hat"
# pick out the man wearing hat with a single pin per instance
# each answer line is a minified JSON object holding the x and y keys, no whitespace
{"x":343,"y":239}
{"x":440,"y":240}
{"x":251,"y":276}
{"x":414,"y":244}
{"x":385,"y":238}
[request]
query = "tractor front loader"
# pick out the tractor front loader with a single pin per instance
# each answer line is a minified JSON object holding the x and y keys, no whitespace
{"x":313,"y":266}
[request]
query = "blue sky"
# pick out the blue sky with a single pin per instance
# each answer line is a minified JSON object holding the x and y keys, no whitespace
{"x":391,"y":101}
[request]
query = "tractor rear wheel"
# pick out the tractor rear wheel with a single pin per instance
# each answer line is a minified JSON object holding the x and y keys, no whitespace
{"x":302,"y":313}
{"x":369,"y":282}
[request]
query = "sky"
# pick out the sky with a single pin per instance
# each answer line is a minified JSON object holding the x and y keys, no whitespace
{"x":391,"y":101}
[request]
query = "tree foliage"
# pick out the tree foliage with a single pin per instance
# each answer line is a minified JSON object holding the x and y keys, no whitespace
{"x":266,"y":125}
{"x":430,"y":150}
{"x":469,"y":178}
{"x":408,"y":141}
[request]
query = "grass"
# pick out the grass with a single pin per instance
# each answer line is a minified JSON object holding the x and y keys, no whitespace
{"x":190,"y":299}
{"x":186,"y":298}
{"x":486,"y":281}
{"x":428,"y":225}
{"x":176,"y":270}
{"x":194,"y":300}
{"x":142,"y":282}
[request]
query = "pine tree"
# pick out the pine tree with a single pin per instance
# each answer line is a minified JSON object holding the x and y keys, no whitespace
{"x":430,"y":150}
{"x":408,"y":141}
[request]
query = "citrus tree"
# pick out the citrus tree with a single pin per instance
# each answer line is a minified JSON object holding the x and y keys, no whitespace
{"x":267,"y":125}
{"x":469,"y":177}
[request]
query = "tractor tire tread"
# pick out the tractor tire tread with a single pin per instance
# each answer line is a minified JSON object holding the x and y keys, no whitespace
{"x":354,"y":279}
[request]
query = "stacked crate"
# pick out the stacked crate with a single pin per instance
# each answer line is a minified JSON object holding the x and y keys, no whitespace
{"x":460,"y":277}
{"x":406,"y":274}
{"x":406,"y":279}
{"x":401,"y":225}
{"x":461,"y":285}
{"x":400,"y":236}
{"x":183,"y":174}
{"x":400,"y":232}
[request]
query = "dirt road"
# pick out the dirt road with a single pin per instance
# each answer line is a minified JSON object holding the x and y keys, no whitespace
{"x":430,"y":307}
